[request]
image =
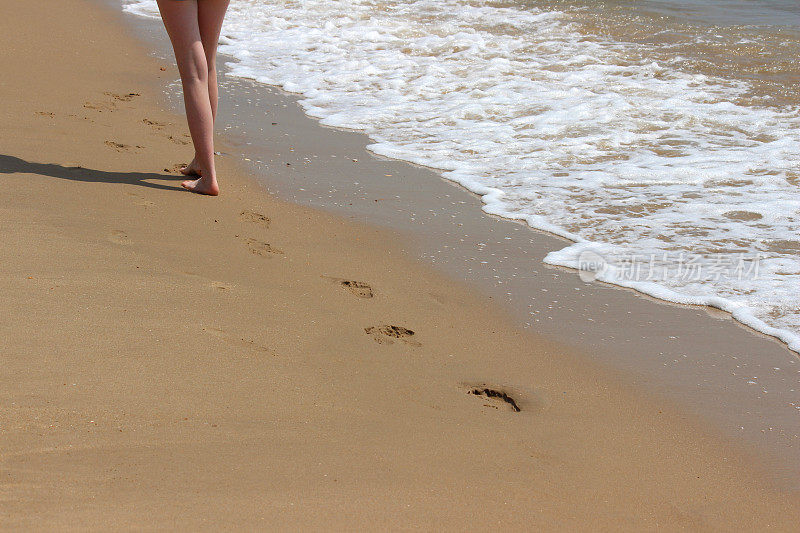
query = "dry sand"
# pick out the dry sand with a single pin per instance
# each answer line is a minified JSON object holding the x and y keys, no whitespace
{"x":171,"y":361}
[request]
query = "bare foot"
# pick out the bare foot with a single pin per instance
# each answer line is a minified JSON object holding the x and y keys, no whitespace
{"x":192,"y":169}
{"x":202,"y":186}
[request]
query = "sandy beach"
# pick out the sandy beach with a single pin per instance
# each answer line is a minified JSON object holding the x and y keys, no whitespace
{"x":178,"y":362}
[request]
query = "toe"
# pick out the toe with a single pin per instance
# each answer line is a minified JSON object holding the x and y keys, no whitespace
{"x":190,"y":170}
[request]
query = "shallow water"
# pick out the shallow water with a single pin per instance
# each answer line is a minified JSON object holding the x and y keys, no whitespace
{"x":779,"y":13}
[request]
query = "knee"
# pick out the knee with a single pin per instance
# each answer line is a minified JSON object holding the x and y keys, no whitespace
{"x":194,"y":68}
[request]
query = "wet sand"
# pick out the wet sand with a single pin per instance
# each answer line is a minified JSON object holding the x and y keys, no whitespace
{"x":179,"y":362}
{"x":741,"y":383}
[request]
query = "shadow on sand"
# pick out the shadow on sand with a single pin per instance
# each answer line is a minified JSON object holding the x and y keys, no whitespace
{"x":11,"y":165}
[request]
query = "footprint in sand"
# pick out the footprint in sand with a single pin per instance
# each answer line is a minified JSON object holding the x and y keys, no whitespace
{"x":239,"y":341}
{"x":110,"y":106}
{"x":118,"y":236}
{"x":122,"y":97}
{"x":154,"y":124}
{"x":358,"y":288}
{"x":140,"y":200}
{"x":221,"y":286}
{"x":494,"y":397}
{"x":100,"y":106}
{"x":182,"y":142}
{"x":362,"y":290}
{"x":119,"y":147}
{"x":255,"y":218}
{"x":257,"y":247}
{"x":387,"y":334}
{"x":175,"y":169}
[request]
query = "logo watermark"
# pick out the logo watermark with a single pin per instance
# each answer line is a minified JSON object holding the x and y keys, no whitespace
{"x":668,"y":266}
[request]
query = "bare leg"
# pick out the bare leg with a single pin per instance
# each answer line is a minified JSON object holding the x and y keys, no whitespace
{"x":210,"y":17}
{"x":181,"y":19}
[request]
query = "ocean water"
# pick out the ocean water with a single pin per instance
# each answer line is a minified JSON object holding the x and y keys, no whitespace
{"x":661,"y":137}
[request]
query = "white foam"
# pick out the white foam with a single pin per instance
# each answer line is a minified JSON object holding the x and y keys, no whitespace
{"x":584,"y":138}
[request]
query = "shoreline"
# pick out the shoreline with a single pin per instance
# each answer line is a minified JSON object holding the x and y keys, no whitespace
{"x":697,"y":357}
{"x":158,"y":379}
{"x":516,"y":194}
